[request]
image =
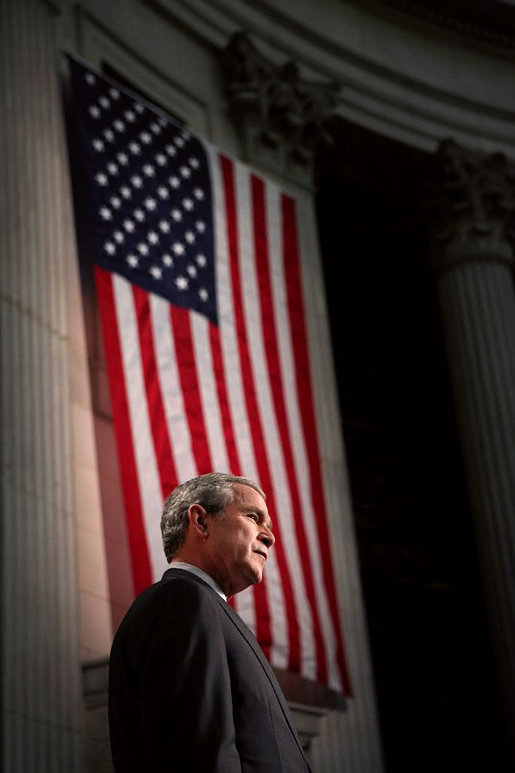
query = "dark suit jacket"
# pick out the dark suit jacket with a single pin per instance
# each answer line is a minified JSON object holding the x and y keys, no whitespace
{"x":190,"y":689}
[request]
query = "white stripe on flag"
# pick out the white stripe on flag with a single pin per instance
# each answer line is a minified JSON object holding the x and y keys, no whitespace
{"x":207,"y":385}
{"x":244,"y":604}
{"x":280,"y":650}
{"x":244,"y":601}
{"x":142,"y":441}
{"x":227,"y":325}
{"x":261,"y":378}
{"x":178,"y":430}
{"x":273,"y":205}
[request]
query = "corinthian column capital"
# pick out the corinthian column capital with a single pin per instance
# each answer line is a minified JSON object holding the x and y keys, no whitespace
{"x":282,"y":117}
{"x":472,"y":203}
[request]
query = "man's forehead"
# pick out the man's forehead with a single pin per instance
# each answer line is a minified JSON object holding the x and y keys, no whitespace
{"x":245,"y":493}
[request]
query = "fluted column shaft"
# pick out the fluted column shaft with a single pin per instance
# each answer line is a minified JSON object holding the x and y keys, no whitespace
{"x":473,"y":258}
{"x":40,"y":677}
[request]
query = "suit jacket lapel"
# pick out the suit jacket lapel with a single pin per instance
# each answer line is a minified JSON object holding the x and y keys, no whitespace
{"x":251,"y":641}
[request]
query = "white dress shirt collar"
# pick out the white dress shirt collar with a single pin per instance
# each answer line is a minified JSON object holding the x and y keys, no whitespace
{"x":199,"y":573}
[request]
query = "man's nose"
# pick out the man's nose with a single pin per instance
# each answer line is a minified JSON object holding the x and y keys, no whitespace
{"x":267,"y":538}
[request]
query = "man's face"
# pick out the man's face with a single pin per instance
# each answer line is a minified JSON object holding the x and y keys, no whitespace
{"x":239,"y":540}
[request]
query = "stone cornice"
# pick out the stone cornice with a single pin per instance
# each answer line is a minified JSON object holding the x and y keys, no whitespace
{"x":398,"y":79}
{"x":490,"y":23}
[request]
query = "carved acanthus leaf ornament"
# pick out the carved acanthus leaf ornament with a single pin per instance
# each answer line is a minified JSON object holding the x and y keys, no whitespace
{"x":284,"y":108}
{"x":471,"y":199}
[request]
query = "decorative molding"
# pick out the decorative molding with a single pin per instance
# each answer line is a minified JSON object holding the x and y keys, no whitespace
{"x":95,"y":683}
{"x":282,"y":118}
{"x":56,"y":6}
{"x":99,"y":44}
{"x":471,"y":199}
{"x":307,"y":723}
{"x":417,"y":91}
{"x":490,"y":23}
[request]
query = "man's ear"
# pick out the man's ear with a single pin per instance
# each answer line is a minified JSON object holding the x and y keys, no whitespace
{"x":197,"y":520}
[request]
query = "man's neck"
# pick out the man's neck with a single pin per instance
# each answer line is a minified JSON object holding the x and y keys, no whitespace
{"x":187,"y":566}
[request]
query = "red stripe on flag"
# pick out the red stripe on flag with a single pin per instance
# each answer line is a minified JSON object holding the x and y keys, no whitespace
{"x":276,"y":383}
{"x":223,"y":401}
{"x":263,"y":630}
{"x":187,"y":366}
{"x":156,"y":411}
{"x":122,"y":426}
{"x":263,"y":615}
{"x":305,"y":395}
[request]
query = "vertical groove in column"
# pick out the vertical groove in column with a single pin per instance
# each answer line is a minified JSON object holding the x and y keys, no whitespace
{"x":508,"y":398}
{"x":41,"y":692}
{"x":487,"y":405}
{"x":502,"y":385}
{"x":465,"y":356}
{"x":478,"y":307}
{"x":496,"y":497}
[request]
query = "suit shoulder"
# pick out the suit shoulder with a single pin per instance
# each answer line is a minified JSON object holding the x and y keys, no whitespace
{"x":184,"y":585}
{"x":168,"y":614}
{"x":172,"y":597}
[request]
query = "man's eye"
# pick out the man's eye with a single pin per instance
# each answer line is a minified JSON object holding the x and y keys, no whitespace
{"x":253,"y":516}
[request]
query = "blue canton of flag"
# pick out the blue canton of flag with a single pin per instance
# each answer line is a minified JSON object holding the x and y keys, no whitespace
{"x":152,"y":218}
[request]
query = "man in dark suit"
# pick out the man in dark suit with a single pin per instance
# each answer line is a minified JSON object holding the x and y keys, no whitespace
{"x":189,"y":687}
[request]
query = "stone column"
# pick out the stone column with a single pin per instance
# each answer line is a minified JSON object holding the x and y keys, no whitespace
{"x":40,"y":670}
{"x":473,"y":258}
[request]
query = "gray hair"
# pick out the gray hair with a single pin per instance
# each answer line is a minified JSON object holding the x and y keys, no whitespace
{"x":214,"y":491}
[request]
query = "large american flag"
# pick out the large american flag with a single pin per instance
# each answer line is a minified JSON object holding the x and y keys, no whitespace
{"x":199,"y":285}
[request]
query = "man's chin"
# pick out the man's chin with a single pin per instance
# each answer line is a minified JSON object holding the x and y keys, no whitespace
{"x":253,"y":577}
{"x":256,"y":576}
